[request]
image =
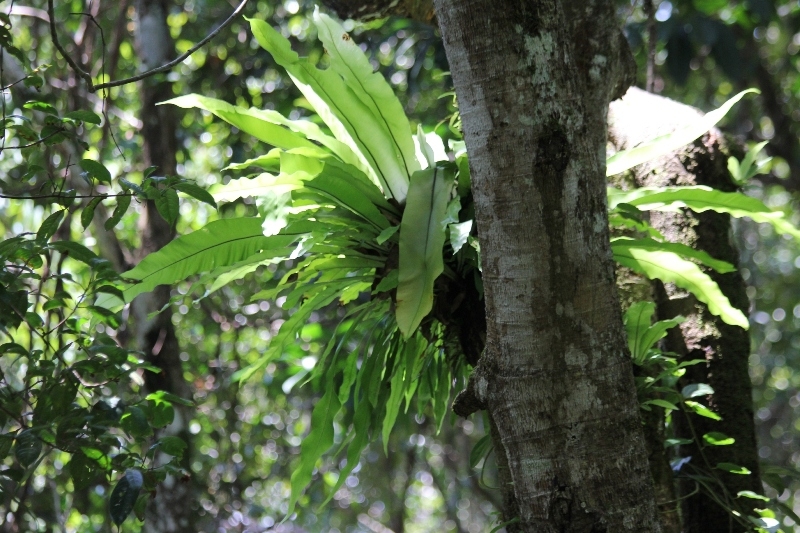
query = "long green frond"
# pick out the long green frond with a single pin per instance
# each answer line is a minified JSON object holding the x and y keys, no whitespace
{"x":671,"y":268}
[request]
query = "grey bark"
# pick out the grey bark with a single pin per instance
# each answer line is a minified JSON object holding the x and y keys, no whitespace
{"x":534,"y":80}
{"x":172,"y":509}
{"x":726,"y":349}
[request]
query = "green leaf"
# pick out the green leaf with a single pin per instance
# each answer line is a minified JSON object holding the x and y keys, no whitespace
{"x":637,"y":321}
{"x":441,"y":398}
{"x":261,"y":185}
{"x":96,"y":170}
{"x":702,"y":410}
{"x":160,"y":412}
{"x":100,"y":458}
{"x":40,"y":106}
{"x":670,"y":267}
{"x":27,"y":448}
{"x":134,"y":421}
{"x":318,"y":441}
{"x":626,"y":159}
{"x":641,"y":335}
{"x":752,"y":495}
{"x":742,"y":172}
{"x":348,"y":118}
{"x":50,"y":226}
{"x":361,"y":423}
{"x":459,"y":233}
{"x":349,"y":197}
{"x":88,"y":212}
{"x":168,"y":205}
{"x":34,"y":320}
{"x":110,"y":289}
{"x":6,"y":441}
{"x":696,"y":389}
{"x":785,"y":509}
{"x":220,"y":243}
{"x":669,"y":406}
{"x":723,"y":267}
{"x":84,"y":115}
{"x":396,"y":394}
{"x":54,"y":401}
{"x":76,"y":251}
{"x":480,"y":450}
{"x":299,"y":171}
{"x":164,"y":396}
{"x":733,"y":469}
{"x":128,"y":185}
{"x":389,"y":282}
{"x":196,"y":192}
{"x":81,"y":470}
{"x":356,"y":177}
{"x":370,"y":88}
{"x":12,"y":306}
{"x":149,"y":171}
{"x":422,"y":237}
{"x":219,"y":277}
{"x":700,"y":198}
{"x":715,"y":438}
{"x":387,"y":234}
{"x":140,"y":507}
{"x":264,"y":125}
{"x":124,"y":495}
{"x":123,"y":203}
{"x":9,"y":246}
{"x":173,"y":446}
{"x":31,"y":80}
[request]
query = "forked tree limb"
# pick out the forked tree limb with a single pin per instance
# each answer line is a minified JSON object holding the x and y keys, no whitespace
{"x":87,"y":76}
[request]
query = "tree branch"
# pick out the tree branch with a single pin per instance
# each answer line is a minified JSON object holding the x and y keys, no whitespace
{"x":61,"y":196}
{"x":87,"y":77}
{"x":34,"y":143}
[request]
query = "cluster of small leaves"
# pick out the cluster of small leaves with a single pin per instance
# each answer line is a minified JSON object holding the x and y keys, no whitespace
{"x":657,"y":385}
{"x":67,"y":388}
{"x":163,"y":191}
{"x":62,"y":375}
{"x":54,"y":128}
{"x":40,"y":123}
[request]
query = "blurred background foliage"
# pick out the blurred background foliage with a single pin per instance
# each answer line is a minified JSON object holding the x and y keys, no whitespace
{"x":244,"y":438}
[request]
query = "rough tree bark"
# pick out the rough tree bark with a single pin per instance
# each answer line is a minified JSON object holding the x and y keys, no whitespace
{"x":534,"y":80}
{"x":637,"y":117}
{"x":171,"y":510}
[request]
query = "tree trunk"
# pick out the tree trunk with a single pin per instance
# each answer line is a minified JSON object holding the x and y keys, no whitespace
{"x":534,"y":80}
{"x":637,"y":117}
{"x":171,"y":510}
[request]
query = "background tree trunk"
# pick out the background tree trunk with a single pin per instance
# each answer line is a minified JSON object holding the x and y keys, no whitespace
{"x":533,"y":81}
{"x":172,"y":508}
{"x":635,"y":118}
